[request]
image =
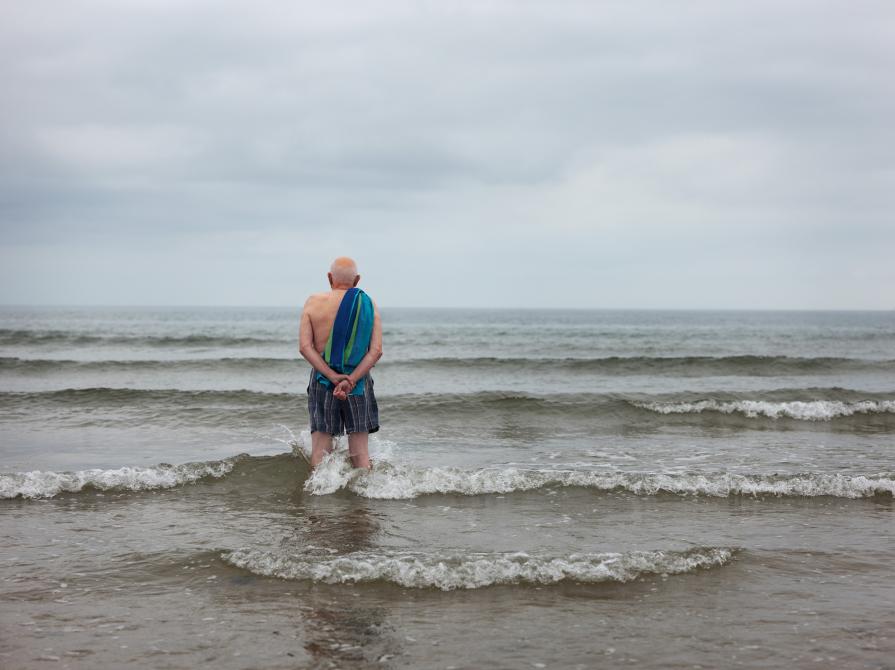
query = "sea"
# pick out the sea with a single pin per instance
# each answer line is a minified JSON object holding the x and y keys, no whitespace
{"x":551,"y":489}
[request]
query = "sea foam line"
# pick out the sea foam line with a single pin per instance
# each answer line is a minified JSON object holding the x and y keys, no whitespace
{"x":810,"y":410}
{"x":475,"y":570}
{"x":46,"y":484}
{"x":393,"y":481}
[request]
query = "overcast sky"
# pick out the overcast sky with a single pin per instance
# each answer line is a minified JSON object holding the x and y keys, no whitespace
{"x":625,"y":154}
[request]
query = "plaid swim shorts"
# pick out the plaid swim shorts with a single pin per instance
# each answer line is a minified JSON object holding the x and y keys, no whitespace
{"x":357,"y":414}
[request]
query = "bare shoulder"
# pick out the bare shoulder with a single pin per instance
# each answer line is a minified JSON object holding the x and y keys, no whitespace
{"x":316,"y":299}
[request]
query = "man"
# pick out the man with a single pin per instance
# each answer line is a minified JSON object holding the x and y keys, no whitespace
{"x":340,"y":396}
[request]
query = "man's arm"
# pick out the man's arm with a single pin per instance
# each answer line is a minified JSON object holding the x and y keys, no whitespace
{"x":307,"y":349}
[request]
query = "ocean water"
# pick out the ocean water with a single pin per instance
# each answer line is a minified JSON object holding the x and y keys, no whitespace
{"x":561,"y":489}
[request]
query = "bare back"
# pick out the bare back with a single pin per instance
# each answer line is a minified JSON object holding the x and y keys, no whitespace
{"x":319,"y":315}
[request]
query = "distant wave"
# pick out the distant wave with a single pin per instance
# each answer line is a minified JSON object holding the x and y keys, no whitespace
{"x":47,"y":484}
{"x":476,"y":570}
{"x":106,"y":395}
{"x":392,"y":481}
{"x":685,"y":366}
{"x":843,"y":407}
{"x":30,"y":365}
{"x":167,"y":407}
{"x":811,"y":410}
{"x":37,"y":337}
{"x":147,"y":400}
{"x":813,"y":404}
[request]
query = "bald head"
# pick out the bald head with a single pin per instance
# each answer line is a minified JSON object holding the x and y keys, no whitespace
{"x":343,"y":273}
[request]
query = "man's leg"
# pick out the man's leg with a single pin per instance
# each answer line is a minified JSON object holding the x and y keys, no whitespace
{"x":321,"y":445}
{"x":357,"y":448}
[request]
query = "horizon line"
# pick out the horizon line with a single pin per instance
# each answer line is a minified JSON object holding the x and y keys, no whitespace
{"x":452,"y":307}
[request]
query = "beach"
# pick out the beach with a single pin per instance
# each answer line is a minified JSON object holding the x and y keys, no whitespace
{"x":552,"y":488}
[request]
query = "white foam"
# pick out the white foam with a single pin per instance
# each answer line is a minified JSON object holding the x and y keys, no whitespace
{"x":809,"y":410}
{"x":334,"y":471}
{"x":472,"y":570}
{"x":46,"y":484}
{"x":394,"y":481}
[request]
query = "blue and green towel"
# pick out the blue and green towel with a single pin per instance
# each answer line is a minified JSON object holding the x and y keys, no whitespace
{"x":349,"y":339}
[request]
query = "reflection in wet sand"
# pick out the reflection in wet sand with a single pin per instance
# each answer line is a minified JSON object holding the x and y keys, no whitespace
{"x":337,"y":630}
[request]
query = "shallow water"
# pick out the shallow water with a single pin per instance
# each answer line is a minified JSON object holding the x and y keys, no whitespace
{"x":552,"y":489}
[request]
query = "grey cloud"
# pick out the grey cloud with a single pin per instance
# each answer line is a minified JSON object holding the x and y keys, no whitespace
{"x":540,"y":127}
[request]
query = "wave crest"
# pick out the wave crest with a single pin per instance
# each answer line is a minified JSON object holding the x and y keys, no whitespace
{"x":391,"y":481}
{"x":472,"y":571}
{"x":803,"y":410}
{"x":46,"y":484}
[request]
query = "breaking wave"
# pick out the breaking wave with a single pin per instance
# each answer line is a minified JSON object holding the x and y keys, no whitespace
{"x":476,"y":570}
{"x":392,"y":481}
{"x":396,"y":481}
{"x":46,"y":484}
{"x":803,"y":410}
